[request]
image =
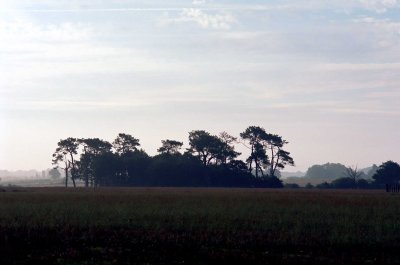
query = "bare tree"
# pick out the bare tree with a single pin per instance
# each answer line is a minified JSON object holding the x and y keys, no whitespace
{"x":354,"y":174}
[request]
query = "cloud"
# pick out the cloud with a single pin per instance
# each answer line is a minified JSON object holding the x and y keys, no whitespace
{"x":385,"y":33}
{"x":341,"y":106}
{"x":243,"y":35}
{"x":199,"y":2}
{"x":385,"y":95}
{"x":359,"y":66}
{"x":21,"y":30}
{"x":367,"y":111}
{"x":75,"y":105}
{"x":379,"y":6}
{"x":51,"y":50}
{"x":216,"y":21}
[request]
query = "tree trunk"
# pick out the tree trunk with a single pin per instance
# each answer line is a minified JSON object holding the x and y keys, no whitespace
{"x":73,"y":170}
{"x":272,"y":169}
{"x":256,"y":168}
{"x":204,"y":159}
{"x":86,"y":180}
{"x":66,"y":177}
{"x":262,"y":172}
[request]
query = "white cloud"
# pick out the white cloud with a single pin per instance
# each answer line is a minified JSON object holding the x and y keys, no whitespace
{"x":54,"y":50}
{"x":21,"y":30}
{"x":243,"y":35}
{"x":384,"y":32}
{"x":379,"y":6}
{"x":217,"y":21}
{"x":199,"y":2}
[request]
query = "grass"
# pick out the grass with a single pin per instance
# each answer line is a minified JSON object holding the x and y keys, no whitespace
{"x":198,"y":226}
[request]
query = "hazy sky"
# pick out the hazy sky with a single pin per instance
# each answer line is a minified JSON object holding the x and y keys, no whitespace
{"x":323,"y":74}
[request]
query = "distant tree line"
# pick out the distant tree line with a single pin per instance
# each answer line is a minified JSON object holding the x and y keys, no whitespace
{"x":352,"y":178}
{"x":332,"y":171}
{"x":210,"y":161}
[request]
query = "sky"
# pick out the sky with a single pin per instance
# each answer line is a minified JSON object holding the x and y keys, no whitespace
{"x":322,"y":74}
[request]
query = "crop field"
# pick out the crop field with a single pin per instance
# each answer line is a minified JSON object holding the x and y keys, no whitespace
{"x":198,"y":226}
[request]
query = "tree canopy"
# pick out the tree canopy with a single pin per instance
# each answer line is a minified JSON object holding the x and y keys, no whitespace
{"x":387,"y":173}
{"x":65,"y":152}
{"x":170,"y":147}
{"x":267,"y":151}
{"x":326,"y":171}
{"x":209,"y":161}
{"x":125,"y":143}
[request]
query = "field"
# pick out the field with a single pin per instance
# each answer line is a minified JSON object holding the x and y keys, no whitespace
{"x":198,"y":226}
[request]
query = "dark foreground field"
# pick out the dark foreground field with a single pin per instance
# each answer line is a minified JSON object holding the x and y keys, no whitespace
{"x":198,"y":226}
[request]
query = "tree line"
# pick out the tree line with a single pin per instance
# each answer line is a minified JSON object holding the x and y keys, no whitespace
{"x":210,"y":161}
{"x":338,"y":176}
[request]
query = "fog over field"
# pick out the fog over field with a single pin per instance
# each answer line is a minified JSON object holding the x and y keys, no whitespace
{"x":323,"y":74}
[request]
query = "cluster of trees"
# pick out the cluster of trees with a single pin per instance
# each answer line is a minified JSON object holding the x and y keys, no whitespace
{"x":332,"y":171}
{"x":210,"y":161}
{"x":377,"y":177}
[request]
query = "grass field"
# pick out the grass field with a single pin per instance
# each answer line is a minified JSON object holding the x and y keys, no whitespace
{"x":198,"y":226}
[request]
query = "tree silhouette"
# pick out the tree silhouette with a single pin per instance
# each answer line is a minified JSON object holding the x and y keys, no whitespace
{"x":210,"y":161}
{"x":204,"y":145}
{"x":226,"y":152}
{"x":65,"y":152}
{"x":54,"y":173}
{"x":262,"y":142}
{"x":343,"y":183}
{"x":387,"y":173}
{"x":255,"y":136}
{"x":125,"y":143}
{"x":170,"y":147}
{"x":354,"y":174}
{"x":92,"y":148}
{"x":279,"y":158}
{"x":326,"y":171}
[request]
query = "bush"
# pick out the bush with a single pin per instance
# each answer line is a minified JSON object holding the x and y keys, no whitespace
{"x":292,"y":186}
